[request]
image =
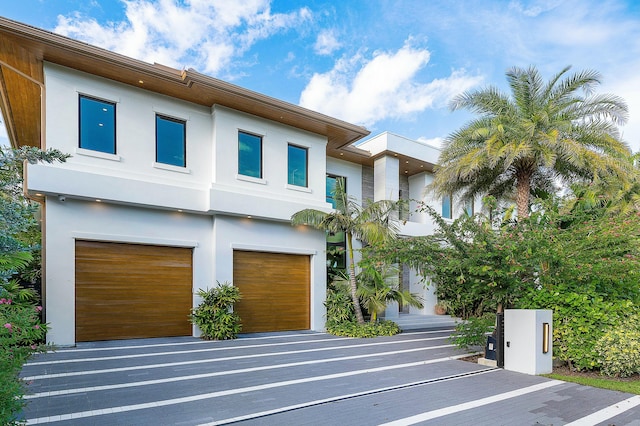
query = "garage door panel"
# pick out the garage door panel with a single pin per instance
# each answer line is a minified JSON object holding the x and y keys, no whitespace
{"x":275,"y":291}
{"x":132,"y":291}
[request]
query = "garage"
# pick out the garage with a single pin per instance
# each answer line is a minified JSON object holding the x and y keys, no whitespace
{"x":275,"y":290}
{"x":127,"y":291}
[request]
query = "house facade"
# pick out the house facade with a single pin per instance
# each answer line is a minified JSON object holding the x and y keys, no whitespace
{"x":177,"y":181}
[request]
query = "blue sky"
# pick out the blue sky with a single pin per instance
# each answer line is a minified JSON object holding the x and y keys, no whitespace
{"x":388,"y":65}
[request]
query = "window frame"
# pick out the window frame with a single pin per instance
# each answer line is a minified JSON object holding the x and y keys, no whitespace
{"x":329,"y":196}
{"x":306,"y":165}
{"x":261,"y":160}
{"x":450,"y":215}
{"x":183,"y":122}
{"x":80,"y":121}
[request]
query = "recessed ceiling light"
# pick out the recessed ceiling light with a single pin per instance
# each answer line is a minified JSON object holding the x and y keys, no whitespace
{"x":98,"y":200}
{"x":406,"y":171}
{"x":140,"y":81}
{"x":179,"y":210}
{"x":38,"y":195}
{"x":248,"y":217}
{"x":407,"y":161}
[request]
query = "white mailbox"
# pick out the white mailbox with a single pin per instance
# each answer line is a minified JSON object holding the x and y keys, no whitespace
{"x":528,"y":340}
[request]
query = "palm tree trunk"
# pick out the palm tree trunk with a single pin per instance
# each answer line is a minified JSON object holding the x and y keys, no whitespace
{"x":352,"y":280}
{"x":523,"y":188}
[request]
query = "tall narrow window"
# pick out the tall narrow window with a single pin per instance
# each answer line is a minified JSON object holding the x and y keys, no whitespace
{"x":447,"y":207}
{"x":249,"y":155}
{"x":170,"y":141}
{"x":297,"y":166}
{"x":331,"y":188}
{"x":97,"y":125}
{"x":469,"y":208}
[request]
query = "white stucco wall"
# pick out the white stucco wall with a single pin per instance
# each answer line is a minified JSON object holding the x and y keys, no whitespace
{"x":135,"y":130}
{"x":74,"y":219}
{"x":271,"y":196}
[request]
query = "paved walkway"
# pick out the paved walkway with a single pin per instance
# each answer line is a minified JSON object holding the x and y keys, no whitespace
{"x":302,"y":378}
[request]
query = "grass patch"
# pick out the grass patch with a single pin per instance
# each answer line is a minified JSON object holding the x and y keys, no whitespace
{"x":629,"y":386}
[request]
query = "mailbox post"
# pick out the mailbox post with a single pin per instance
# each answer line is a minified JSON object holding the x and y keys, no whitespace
{"x":528,"y":340}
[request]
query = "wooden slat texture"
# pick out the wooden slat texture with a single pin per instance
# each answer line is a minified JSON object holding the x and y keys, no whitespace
{"x":275,"y":291}
{"x":126,"y":291}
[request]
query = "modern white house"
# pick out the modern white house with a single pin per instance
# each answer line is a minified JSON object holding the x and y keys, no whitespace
{"x":177,"y":181}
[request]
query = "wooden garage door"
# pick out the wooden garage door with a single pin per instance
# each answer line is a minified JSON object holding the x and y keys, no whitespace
{"x":126,"y":291}
{"x":275,"y":290}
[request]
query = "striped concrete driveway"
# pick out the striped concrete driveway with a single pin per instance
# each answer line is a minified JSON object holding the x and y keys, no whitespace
{"x":302,"y":378}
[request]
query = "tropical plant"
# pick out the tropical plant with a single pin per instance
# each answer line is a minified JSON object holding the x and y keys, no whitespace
{"x":21,"y":334}
{"x":375,"y":222}
{"x":338,"y":301}
{"x":540,"y":134}
{"x":214,"y":315}
{"x":377,"y":286}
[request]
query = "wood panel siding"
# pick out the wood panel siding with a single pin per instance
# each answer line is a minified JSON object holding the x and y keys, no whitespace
{"x":126,"y":291}
{"x":275,"y":291}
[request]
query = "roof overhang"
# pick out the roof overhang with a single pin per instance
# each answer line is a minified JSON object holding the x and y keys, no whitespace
{"x":24,"y":49}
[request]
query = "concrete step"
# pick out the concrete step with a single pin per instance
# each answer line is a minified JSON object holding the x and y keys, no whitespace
{"x":415,"y":322}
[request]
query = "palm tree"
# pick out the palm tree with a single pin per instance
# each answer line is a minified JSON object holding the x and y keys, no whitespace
{"x":543,"y":133}
{"x":379,"y":285}
{"x":371,"y":224}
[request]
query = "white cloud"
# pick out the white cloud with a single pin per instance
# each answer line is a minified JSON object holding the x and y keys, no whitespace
{"x":385,"y":86}
{"x":195,"y":33}
{"x":326,"y":43}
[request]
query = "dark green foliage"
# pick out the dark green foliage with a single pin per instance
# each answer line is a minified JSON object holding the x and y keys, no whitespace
{"x":214,"y":315}
{"x":338,"y":303}
{"x":580,"y":319}
{"x":583,"y":264}
{"x":368,"y":329}
{"x":473,"y":331}
{"x":21,"y":334}
{"x":21,"y":331}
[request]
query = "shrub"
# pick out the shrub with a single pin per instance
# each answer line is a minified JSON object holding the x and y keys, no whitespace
{"x":214,"y":315}
{"x":473,"y":331}
{"x":21,"y":334}
{"x":579,"y":320}
{"x":339,"y":305}
{"x":368,"y":329}
{"x":619,"y":349}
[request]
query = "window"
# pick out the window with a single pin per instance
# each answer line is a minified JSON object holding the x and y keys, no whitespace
{"x":297,"y":166}
{"x":97,"y":125}
{"x":170,"y":141}
{"x":250,"y":155}
{"x":331,"y":187}
{"x":447,"y":207}
{"x":469,"y":208}
{"x":336,"y":250}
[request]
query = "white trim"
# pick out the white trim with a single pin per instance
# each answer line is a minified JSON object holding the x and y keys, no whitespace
{"x":273,"y":249}
{"x":298,"y":188}
{"x":133,"y":239}
{"x":171,"y":168}
{"x":260,"y":181}
{"x":171,"y":113}
{"x":99,"y":95}
{"x":97,"y":154}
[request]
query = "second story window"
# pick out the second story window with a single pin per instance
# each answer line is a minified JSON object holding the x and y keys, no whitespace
{"x":97,"y":125}
{"x":447,"y":207}
{"x":297,"y":166}
{"x":249,"y":155}
{"x":331,"y":187}
{"x":170,"y":141}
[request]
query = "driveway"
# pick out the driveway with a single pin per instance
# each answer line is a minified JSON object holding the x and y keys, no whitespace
{"x":302,"y":378}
